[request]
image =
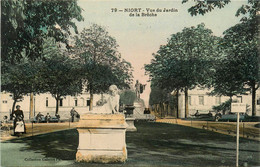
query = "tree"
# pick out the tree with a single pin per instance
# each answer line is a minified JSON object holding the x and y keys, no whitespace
{"x":60,"y":74}
{"x":225,"y":106}
{"x":240,"y":44}
{"x":103,"y":65}
{"x":25,"y":24}
{"x":20,"y":79}
{"x":225,"y":78}
{"x":127,"y":97}
{"x":185,"y":61}
{"x":203,"y":7}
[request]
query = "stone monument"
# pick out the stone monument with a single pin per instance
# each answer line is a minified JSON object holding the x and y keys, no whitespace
{"x":102,"y":133}
{"x":139,"y":106}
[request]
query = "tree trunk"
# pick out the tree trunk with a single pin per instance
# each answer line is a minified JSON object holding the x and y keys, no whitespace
{"x":165,"y":109}
{"x":169,"y":109}
{"x":154,"y":108}
{"x":177,"y":106}
{"x":186,"y":103}
{"x":224,"y":111}
{"x":253,"y":100}
{"x":57,"y":105}
{"x":31,"y":106}
{"x":91,"y":101}
{"x":102,"y":98}
{"x":160,"y":106}
{"x":11,"y":116}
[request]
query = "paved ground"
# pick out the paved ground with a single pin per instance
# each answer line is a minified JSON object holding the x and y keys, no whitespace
{"x":154,"y":144}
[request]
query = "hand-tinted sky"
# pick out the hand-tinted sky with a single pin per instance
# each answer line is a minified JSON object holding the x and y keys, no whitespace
{"x":139,"y":37}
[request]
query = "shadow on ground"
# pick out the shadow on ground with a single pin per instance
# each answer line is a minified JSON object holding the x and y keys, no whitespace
{"x":155,"y":144}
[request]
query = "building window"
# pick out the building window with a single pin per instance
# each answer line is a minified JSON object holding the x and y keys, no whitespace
{"x":61,"y":102}
{"x":218,"y":100}
{"x":76,"y":102}
{"x":201,"y":100}
{"x":88,"y":102}
{"x":258,"y":101}
{"x":4,"y":101}
{"x":189,"y":99}
{"x":47,"y":102}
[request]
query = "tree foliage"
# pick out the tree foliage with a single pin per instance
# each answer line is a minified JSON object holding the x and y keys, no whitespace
{"x":225,"y":106}
{"x":202,"y":7}
{"x":127,"y":97}
{"x":21,"y":78}
{"x":249,"y":10}
{"x":25,"y":25}
{"x":185,"y":61}
{"x":158,"y":95}
{"x":239,"y":69}
{"x":60,"y":74}
{"x":103,"y":65}
{"x":240,"y":44}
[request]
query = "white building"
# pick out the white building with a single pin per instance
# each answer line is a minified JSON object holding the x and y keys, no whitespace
{"x":198,"y":99}
{"x":45,"y":103}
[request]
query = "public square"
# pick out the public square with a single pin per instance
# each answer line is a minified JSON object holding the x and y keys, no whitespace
{"x":130,"y":83}
{"x":154,"y":144}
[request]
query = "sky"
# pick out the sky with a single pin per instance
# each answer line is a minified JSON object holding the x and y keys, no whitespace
{"x":139,"y":37}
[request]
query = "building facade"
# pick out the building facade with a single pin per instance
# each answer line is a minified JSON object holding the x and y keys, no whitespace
{"x":198,"y":99}
{"x":45,"y":103}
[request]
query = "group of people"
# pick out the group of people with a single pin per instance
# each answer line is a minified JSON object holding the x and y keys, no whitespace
{"x":39,"y":117}
{"x":19,"y":124}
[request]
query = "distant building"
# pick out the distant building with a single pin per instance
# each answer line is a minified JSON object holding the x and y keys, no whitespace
{"x":198,"y":99}
{"x":45,"y":103}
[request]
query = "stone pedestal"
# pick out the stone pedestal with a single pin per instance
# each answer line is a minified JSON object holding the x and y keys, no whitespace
{"x":130,"y":124}
{"x":102,"y":138}
{"x":139,"y":110}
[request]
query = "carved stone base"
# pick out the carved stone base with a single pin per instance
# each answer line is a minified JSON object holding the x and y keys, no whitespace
{"x":130,"y":124}
{"x":102,"y":138}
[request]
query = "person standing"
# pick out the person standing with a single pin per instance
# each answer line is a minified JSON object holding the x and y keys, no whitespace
{"x":58,"y":117}
{"x":19,"y":125}
{"x":72,"y":114}
{"x":47,"y":118}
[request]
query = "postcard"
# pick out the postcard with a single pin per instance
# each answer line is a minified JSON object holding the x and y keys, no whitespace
{"x":130,"y":83}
